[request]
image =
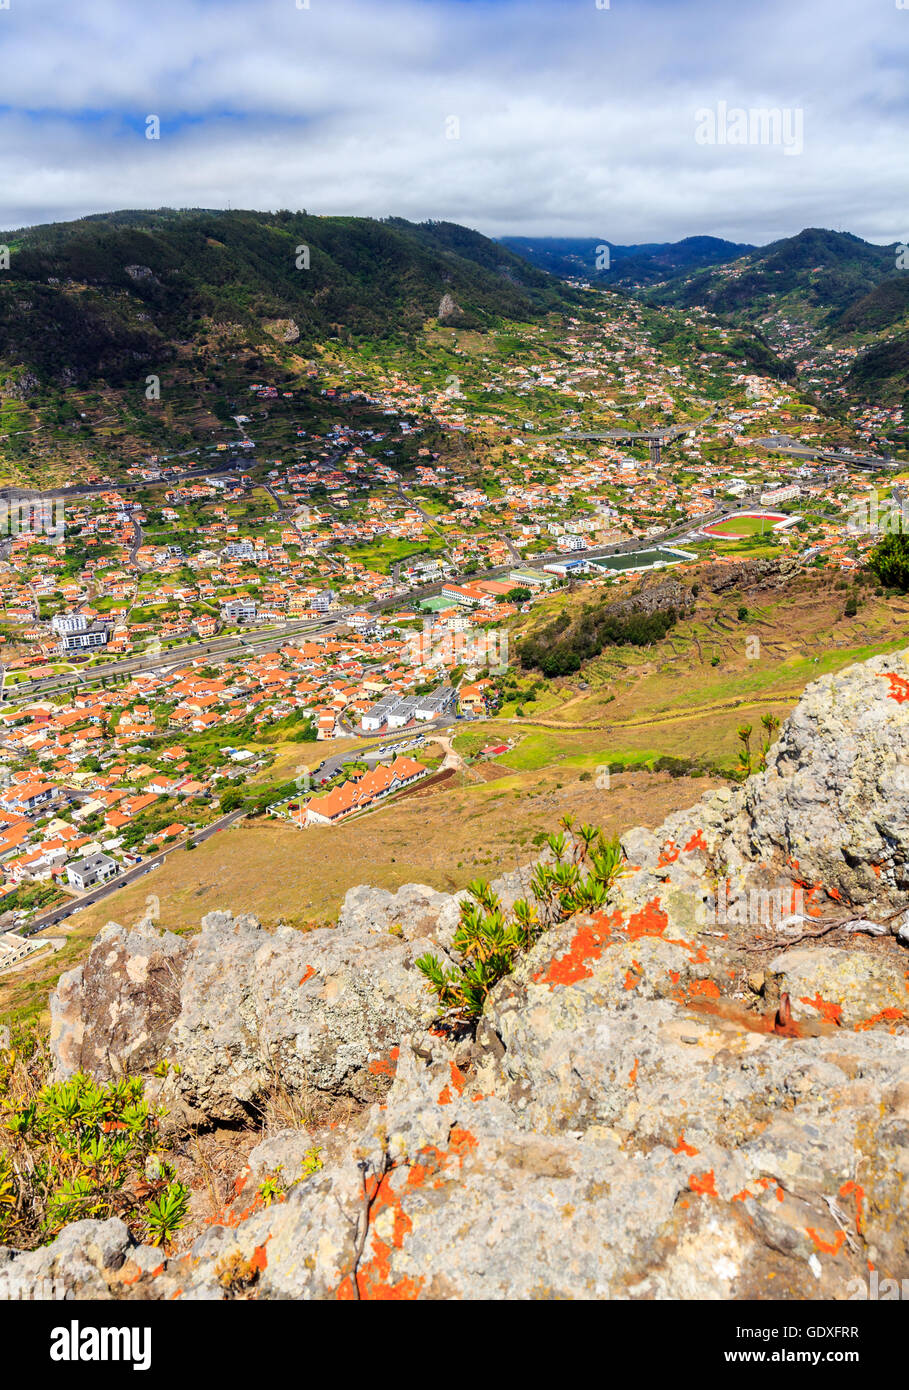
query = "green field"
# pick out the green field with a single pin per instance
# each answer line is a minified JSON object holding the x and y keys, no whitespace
{"x":743,"y":526}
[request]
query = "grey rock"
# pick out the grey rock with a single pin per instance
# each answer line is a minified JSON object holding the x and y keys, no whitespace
{"x":113,"y":1014}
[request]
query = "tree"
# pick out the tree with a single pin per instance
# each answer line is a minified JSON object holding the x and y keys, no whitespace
{"x":890,"y":561}
{"x":517,"y":595}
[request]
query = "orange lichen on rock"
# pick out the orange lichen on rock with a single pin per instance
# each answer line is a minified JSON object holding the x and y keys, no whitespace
{"x":832,"y":1012}
{"x":587,"y":944}
{"x":824,"y":1246}
{"x":458,"y":1079}
{"x":704,"y":1183}
{"x":374,"y":1280}
{"x":603,"y":930}
{"x":885,"y":1016}
{"x":310,"y":971}
{"x":697,"y":841}
{"x":852,"y":1189}
{"x":385,"y":1066}
{"x":458,"y":1082}
{"x":374,"y":1276}
{"x":683,"y":1148}
{"x":899,"y":687}
{"x":651,"y":920}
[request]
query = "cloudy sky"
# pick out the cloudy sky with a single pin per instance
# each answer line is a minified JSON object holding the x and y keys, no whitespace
{"x":536,"y":117}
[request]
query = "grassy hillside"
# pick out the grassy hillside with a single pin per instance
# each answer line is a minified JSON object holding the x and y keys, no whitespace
{"x":104,"y":296}
{"x":821,"y":271}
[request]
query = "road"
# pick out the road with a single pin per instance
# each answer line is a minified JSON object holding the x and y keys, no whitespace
{"x":174,"y":657}
{"x":663,"y":436}
{"x":784,"y":444}
{"x":113,"y":885}
{"x":311,"y":626}
{"x":12,"y":494}
{"x":136,"y":543}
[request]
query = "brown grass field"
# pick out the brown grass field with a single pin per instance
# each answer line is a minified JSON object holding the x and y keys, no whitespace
{"x":443,"y":837}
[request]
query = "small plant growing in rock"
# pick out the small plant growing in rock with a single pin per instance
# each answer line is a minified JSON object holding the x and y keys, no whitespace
{"x":76,"y":1149}
{"x":236,"y":1274}
{"x":771,"y":724}
{"x":165,"y":1215}
{"x":312,"y":1161}
{"x":272,"y":1188}
{"x":489,"y":941}
{"x":744,"y":737}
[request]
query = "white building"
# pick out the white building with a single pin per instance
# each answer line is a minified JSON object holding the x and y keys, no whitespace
{"x":85,"y":873}
{"x":788,"y":493}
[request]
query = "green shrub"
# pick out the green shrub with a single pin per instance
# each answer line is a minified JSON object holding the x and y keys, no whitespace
{"x":561,"y":648}
{"x":489,"y":941}
{"x":889,"y":560}
{"x":77,"y":1149}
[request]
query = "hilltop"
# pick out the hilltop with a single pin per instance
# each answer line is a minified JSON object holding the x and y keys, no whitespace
{"x":89,"y":310}
{"x":577,"y":257}
{"x":815,"y":296}
{"x":818,"y":270}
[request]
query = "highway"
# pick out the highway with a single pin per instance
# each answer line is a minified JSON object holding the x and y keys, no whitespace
{"x":214,"y":470}
{"x":784,"y":444}
{"x":657,"y":436}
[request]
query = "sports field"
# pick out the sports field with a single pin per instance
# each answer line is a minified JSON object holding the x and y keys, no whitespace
{"x":747,"y":524}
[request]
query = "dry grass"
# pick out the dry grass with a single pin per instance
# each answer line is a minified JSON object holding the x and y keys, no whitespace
{"x":442,"y":837}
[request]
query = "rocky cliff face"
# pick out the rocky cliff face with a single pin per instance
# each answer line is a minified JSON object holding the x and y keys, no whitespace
{"x":701,"y":1091}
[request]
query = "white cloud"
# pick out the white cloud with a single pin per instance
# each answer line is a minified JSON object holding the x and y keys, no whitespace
{"x":574,"y":120}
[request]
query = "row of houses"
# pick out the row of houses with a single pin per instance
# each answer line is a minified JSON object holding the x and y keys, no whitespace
{"x":360,"y":793}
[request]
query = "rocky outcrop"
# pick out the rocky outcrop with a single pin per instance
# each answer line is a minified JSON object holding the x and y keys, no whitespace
{"x":448,"y":309}
{"x":241,"y":1010}
{"x":653,"y":598}
{"x":113,"y":1014}
{"x":757,"y":573}
{"x":700,"y":1091}
{"x":833,"y":804}
{"x":142,"y":274}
